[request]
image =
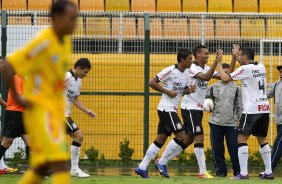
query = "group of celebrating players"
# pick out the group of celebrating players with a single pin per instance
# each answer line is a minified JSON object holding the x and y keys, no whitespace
{"x":191,"y":80}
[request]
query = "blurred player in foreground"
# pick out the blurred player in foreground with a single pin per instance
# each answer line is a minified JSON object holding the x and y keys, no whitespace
{"x":44,"y":62}
{"x":255,"y":117}
{"x":73,"y":83}
{"x":176,"y":82}
{"x":13,"y":126}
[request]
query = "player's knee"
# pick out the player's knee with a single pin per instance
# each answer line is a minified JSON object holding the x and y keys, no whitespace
{"x":7,"y":142}
{"x":199,"y":139}
{"x":241,"y":139}
{"x":188,"y":140}
{"x":80,"y":138}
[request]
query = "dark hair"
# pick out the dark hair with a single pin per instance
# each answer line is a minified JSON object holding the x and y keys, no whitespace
{"x":249,"y":52}
{"x":183,"y":54}
{"x":198,"y":49}
{"x":83,"y":63}
{"x":59,"y":7}
{"x":225,"y":65}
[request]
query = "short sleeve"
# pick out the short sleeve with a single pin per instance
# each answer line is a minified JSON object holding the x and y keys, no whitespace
{"x":18,"y":84}
{"x":194,"y":70}
{"x":79,"y":87}
{"x":239,"y":74}
{"x":28,"y":59}
{"x":165,"y":74}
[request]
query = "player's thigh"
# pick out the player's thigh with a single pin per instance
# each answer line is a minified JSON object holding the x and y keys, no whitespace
{"x":47,"y":135}
{"x":261,"y":128}
{"x":71,"y":126}
{"x":193,"y":121}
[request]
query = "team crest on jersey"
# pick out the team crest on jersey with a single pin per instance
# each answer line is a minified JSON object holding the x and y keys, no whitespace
{"x":178,"y":126}
{"x":198,"y":129}
{"x":55,"y":58}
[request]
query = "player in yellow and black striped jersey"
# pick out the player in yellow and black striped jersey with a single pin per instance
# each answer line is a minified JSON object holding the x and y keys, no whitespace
{"x":44,"y":62}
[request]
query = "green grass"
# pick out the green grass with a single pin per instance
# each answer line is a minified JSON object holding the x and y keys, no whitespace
{"x":10,"y":179}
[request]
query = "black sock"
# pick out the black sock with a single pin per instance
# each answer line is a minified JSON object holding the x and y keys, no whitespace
{"x":2,"y":151}
{"x":75,"y":144}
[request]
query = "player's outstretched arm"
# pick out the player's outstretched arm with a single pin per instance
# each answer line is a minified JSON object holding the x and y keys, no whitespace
{"x":2,"y":102}
{"x":154,"y":83}
{"x":84,"y":109}
{"x":223,"y":76}
{"x":209,"y":74}
{"x":235,"y":50}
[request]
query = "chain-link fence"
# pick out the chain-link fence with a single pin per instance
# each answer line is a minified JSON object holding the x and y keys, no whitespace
{"x":125,"y":57}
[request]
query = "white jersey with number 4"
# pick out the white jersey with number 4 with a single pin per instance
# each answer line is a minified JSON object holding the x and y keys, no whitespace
{"x":253,"y":77}
{"x":172,"y":79}
{"x":72,"y":86}
{"x":196,"y":100}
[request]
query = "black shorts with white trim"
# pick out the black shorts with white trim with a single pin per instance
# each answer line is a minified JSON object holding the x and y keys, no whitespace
{"x":71,"y":125}
{"x":193,"y":121}
{"x":169,"y":123}
{"x":255,"y":124}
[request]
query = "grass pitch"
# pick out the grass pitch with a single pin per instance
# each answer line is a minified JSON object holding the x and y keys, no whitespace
{"x":13,"y":178}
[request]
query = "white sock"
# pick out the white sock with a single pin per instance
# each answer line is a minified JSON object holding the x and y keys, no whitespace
{"x":243,"y":154}
{"x":172,"y":150}
{"x":75,"y":153}
{"x":266,"y":156}
{"x":2,"y":164}
{"x":151,"y":153}
{"x":200,"y":154}
{"x":176,"y":153}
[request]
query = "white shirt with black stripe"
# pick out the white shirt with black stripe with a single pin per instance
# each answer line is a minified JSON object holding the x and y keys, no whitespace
{"x":72,"y":85}
{"x":173,"y":79}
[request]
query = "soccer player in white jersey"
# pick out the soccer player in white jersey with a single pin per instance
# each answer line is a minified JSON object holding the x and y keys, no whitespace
{"x":192,"y":104}
{"x":73,"y":82}
{"x":255,"y":117}
{"x":175,"y":80}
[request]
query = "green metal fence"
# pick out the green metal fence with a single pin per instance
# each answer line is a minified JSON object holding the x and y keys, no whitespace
{"x":126,"y":49}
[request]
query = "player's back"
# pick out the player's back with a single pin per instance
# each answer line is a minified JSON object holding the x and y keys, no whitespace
{"x":254,"y":88}
{"x":44,"y":62}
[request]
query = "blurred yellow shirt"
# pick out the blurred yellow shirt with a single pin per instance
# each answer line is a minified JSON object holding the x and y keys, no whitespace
{"x":44,"y":62}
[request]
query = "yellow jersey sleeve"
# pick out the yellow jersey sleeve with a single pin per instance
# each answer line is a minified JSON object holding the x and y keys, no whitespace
{"x":29,"y":58}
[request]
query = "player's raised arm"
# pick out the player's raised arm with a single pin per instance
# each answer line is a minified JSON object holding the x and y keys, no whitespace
{"x":235,"y":51}
{"x":223,"y":76}
{"x":154,"y":83}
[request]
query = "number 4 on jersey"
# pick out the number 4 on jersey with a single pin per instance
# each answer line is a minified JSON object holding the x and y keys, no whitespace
{"x":261,"y":85}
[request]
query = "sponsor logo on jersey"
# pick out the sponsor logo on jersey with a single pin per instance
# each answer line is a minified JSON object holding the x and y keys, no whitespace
{"x":165,"y":75}
{"x":261,"y":99}
{"x":256,"y":73}
{"x":177,"y":86}
{"x":200,"y":105}
{"x":263,"y":108}
{"x":237,"y":74}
